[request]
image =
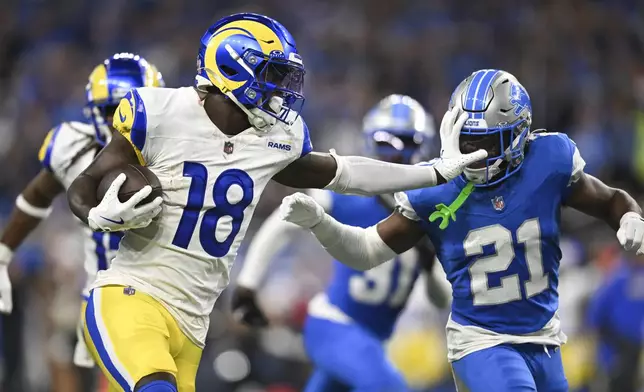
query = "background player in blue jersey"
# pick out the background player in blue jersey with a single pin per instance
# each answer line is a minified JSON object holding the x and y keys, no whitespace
{"x":348,"y":323}
{"x":496,"y":233}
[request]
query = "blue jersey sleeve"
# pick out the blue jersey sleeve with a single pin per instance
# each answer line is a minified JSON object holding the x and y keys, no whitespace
{"x":560,"y":156}
{"x":307,"y":146}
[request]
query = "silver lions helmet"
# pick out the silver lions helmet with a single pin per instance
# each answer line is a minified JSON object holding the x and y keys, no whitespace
{"x":398,"y":129}
{"x":500,"y":116}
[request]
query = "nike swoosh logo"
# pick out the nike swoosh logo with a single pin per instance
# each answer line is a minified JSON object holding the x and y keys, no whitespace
{"x":118,"y":222}
{"x":266,"y":42}
{"x":122,"y":118}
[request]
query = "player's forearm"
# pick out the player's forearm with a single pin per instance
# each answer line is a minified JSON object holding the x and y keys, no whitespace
{"x":359,"y":248}
{"x":81,"y":196}
{"x":367,"y":177}
{"x":32,"y":205}
{"x":619,"y":204}
{"x":18,"y":228}
{"x":272,"y":237}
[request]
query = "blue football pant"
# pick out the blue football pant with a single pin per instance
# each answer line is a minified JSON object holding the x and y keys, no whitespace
{"x":511,"y":368}
{"x":348,"y":358}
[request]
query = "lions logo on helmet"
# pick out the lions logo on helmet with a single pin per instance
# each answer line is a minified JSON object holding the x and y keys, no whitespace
{"x":111,"y":81}
{"x":398,"y":129}
{"x":500,"y":116}
{"x":252,"y":59}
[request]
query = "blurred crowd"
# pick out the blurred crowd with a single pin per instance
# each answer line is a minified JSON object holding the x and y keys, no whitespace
{"x":582,"y":62}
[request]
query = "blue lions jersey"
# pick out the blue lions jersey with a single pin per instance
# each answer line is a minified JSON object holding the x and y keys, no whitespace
{"x":373,"y":298}
{"x":502,"y":254}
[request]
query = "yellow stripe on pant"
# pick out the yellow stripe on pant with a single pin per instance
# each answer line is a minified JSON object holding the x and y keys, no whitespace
{"x":131,"y":335}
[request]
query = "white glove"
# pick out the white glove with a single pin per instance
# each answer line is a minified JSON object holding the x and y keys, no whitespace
{"x":6,"y":300}
{"x":452,"y":161}
{"x":112,"y":215}
{"x":631,"y":232}
{"x":302,"y":210}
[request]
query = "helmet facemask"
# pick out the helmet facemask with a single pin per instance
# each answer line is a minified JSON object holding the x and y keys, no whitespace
{"x":505,"y":146}
{"x":274,"y":94}
{"x":100,"y":115}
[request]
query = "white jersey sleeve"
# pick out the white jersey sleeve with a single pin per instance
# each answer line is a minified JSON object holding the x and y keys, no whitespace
{"x":404,"y":207}
{"x":578,"y":165}
{"x":66,"y":149}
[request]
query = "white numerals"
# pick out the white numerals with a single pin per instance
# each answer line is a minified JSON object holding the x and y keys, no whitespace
{"x":529,"y":234}
{"x":509,"y":290}
{"x":374,"y":286}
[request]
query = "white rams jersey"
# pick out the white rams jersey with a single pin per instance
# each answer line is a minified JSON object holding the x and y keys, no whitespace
{"x":211,"y":185}
{"x":67,"y":150}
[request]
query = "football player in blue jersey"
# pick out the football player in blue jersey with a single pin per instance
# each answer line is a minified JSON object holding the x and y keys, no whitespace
{"x":348,"y":323}
{"x":496,"y":232}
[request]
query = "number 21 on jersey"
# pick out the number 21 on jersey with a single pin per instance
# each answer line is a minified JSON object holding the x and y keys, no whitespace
{"x":228,"y":179}
{"x":529,"y":234}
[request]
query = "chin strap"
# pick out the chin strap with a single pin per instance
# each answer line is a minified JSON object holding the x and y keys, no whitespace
{"x":260,"y":120}
{"x":444,"y":212}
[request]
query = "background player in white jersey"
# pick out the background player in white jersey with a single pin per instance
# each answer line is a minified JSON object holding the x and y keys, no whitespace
{"x":496,"y":233}
{"x":214,"y":148}
{"x":66,"y":151}
{"x":348,"y":322}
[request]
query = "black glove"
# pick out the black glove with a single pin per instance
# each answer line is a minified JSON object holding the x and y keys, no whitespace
{"x":245,"y":309}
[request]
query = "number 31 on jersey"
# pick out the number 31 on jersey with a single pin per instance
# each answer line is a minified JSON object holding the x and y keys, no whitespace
{"x":223,"y":207}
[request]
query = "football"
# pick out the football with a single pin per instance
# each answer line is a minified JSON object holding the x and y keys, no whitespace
{"x":137,"y":177}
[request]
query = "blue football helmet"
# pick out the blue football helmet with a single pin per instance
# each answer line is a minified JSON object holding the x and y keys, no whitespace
{"x":398,"y":128}
{"x":500,"y":116}
{"x":110,"y":81}
{"x":252,"y":59}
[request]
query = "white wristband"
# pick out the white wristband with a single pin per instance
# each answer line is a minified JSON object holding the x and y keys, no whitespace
{"x":6,"y":254}
{"x":31,"y":210}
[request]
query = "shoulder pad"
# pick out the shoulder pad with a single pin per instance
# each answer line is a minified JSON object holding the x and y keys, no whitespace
{"x":130,"y":120}
{"x":557,"y":156}
{"x":63,"y":143}
{"x":301,"y":131}
{"x":82,"y":128}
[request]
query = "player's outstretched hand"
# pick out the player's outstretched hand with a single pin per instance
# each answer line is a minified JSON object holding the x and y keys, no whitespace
{"x":245,"y":309}
{"x":302,"y":210}
{"x":452,"y":161}
{"x":631,"y":232}
{"x":112,"y":215}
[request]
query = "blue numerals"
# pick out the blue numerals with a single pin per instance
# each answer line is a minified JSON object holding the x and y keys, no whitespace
{"x":223,"y":207}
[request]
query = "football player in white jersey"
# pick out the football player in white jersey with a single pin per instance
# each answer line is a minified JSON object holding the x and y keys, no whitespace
{"x":66,"y":151}
{"x":214,"y":147}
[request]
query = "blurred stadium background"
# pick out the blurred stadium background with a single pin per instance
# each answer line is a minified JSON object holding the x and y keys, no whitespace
{"x":582,"y":62}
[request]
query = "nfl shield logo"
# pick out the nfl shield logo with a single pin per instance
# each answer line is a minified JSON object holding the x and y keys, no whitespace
{"x":229,"y":147}
{"x":498,"y":203}
{"x":129,"y":291}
